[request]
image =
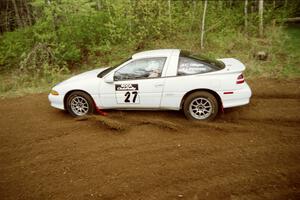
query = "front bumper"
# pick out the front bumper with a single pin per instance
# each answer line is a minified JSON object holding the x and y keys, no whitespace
{"x":57,"y":101}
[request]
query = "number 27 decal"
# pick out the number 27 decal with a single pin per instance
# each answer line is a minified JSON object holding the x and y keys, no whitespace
{"x":127,"y":96}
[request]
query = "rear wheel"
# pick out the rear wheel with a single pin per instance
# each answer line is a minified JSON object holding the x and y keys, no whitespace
{"x":200,"y":106}
{"x":80,"y":104}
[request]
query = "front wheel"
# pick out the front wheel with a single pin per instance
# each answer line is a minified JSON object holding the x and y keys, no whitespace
{"x":79,"y":104}
{"x":200,"y":106}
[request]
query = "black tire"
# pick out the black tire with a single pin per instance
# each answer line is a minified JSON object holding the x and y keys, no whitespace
{"x":202,"y":111}
{"x":88,"y":106}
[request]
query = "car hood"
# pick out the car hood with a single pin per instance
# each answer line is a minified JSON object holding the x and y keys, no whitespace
{"x":83,"y":76}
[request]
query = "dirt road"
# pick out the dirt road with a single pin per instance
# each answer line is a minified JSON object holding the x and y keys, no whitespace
{"x":251,"y":152}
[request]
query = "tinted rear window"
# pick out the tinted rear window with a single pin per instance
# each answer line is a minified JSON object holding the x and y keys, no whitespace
{"x":217,"y":65}
{"x":189,"y":66}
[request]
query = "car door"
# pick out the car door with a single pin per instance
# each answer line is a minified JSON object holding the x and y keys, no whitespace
{"x":137,"y":85}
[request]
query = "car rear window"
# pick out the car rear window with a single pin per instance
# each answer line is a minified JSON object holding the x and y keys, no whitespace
{"x":216,"y":64}
{"x":189,"y":66}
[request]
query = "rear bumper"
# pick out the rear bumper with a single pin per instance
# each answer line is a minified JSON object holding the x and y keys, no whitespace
{"x":237,"y":98}
{"x":56,"y":101}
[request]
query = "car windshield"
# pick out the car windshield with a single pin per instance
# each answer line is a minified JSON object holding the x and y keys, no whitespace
{"x":213,"y":62}
{"x":106,"y":71}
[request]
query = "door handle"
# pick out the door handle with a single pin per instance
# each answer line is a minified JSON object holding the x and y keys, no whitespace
{"x":158,"y":85}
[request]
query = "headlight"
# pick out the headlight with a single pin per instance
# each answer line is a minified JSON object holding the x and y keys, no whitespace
{"x":53,"y":92}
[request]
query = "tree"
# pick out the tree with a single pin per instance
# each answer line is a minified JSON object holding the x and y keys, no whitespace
{"x":203,"y":24}
{"x":220,"y":3}
{"x":98,"y":4}
{"x":27,"y":12}
{"x":193,"y":15}
{"x":19,"y":22}
{"x":261,"y":20}
{"x":246,"y":15}
{"x":170,"y":17}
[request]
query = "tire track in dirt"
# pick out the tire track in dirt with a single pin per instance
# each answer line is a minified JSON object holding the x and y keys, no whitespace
{"x":249,"y":152}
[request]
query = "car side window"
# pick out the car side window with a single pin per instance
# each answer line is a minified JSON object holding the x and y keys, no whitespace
{"x":141,"y":69}
{"x":189,"y":66}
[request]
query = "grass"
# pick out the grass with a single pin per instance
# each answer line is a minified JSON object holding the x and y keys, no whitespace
{"x":17,"y":84}
{"x":292,"y":48}
{"x":282,"y":46}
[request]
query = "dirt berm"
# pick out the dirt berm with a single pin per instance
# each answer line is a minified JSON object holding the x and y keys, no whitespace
{"x":250,"y":152}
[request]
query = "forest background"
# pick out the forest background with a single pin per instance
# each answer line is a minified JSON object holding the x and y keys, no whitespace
{"x":45,"y":41}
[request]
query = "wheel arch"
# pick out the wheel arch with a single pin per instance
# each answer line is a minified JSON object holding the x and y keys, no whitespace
{"x":215,"y":94}
{"x":75,"y":90}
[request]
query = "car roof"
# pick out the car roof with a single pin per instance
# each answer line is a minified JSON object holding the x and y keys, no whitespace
{"x":155,"y":53}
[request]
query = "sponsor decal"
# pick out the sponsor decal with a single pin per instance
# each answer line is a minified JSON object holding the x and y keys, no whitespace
{"x":126,"y":87}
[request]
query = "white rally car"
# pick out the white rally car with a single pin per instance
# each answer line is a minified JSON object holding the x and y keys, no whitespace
{"x":165,"y":79}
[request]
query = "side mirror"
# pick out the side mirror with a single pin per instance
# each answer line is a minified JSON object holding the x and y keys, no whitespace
{"x":109,"y":78}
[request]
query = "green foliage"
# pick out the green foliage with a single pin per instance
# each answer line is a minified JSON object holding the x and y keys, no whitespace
{"x":68,"y":34}
{"x":12,"y":46}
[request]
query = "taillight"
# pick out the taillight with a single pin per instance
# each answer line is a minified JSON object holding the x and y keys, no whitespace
{"x":240,"y":79}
